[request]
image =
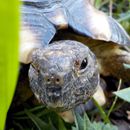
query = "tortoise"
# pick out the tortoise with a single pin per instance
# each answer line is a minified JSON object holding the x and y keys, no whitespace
{"x":65,"y":73}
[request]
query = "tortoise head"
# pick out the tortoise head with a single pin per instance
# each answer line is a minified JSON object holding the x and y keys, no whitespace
{"x":63,"y":75}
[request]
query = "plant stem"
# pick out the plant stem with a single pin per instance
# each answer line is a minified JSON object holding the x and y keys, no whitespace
{"x":114,"y":102}
{"x":102,"y":112}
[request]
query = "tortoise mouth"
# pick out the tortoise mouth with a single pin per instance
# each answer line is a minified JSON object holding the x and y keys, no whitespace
{"x":54,"y":97}
{"x":56,"y":105}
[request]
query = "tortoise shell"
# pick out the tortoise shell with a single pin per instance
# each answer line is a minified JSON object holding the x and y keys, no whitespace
{"x":45,"y":17}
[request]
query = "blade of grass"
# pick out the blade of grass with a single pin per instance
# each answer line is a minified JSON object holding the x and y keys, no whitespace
{"x":41,"y":125}
{"x":110,"y":7}
{"x":114,"y":102}
{"x":8,"y":54}
{"x":31,"y":110}
{"x":18,"y":125}
{"x":97,"y":3}
{"x":61,"y":125}
{"x":124,"y":18}
{"x":102,"y":112}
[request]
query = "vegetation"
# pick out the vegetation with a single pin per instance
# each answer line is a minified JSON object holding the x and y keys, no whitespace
{"x":37,"y":117}
{"x":8,"y":54}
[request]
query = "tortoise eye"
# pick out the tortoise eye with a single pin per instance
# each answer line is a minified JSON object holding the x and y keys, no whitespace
{"x":84,"y":64}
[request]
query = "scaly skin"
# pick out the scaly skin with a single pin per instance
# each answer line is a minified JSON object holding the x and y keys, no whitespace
{"x":56,"y":76}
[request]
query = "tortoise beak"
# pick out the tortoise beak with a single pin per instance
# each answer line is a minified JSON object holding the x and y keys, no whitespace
{"x":54,"y":93}
{"x":54,"y":97}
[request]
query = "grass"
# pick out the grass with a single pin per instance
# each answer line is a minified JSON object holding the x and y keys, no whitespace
{"x":8,"y":54}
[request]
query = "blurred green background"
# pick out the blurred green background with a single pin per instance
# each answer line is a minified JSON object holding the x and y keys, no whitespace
{"x":9,"y":19}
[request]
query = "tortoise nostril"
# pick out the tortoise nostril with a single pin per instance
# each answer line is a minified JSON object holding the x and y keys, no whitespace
{"x":48,"y":80}
{"x":53,"y":79}
{"x":59,"y":80}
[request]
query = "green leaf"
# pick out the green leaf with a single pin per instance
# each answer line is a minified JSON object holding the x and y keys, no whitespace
{"x":74,"y":128}
{"x":109,"y":127}
{"x":97,"y":3}
{"x":8,"y":54}
{"x":61,"y":125}
{"x":87,"y":124}
{"x":41,"y":125}
{"x":101,"y":111}
{"x":124,"y":94}
{"x":78,"y":121}
{"x":19,"y":126}
{"x":102,"y":126}
{"x":36,"y":108}
{"x":83,"y":123}
{"x":127,"y":66}
{"x":126,"y":16}
{"x":52,"y":127}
